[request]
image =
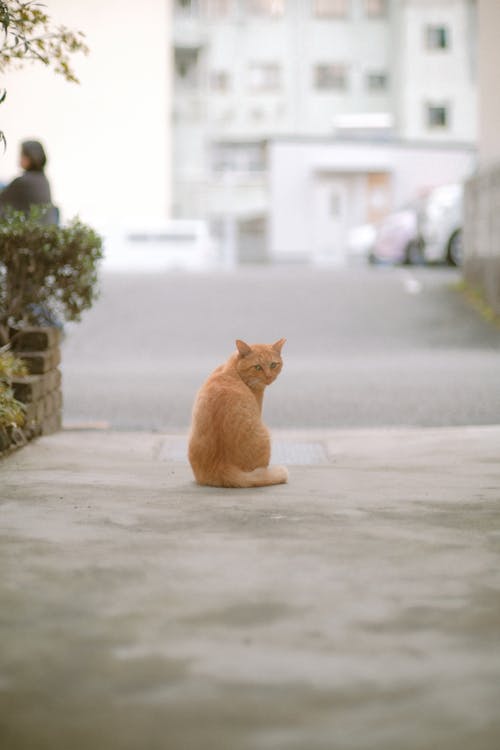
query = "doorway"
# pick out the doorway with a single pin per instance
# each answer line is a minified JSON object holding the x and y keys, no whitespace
{"x":331,"y":219}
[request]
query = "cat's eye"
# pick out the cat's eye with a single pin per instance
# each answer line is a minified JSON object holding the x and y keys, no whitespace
{"x":257,"y":367}
{"x":273,"y":365}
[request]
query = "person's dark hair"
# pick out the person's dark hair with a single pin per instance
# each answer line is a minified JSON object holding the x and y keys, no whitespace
{"x":33,"y":150}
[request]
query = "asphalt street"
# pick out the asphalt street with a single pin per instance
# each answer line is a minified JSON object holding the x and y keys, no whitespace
{"x":366,"y":347}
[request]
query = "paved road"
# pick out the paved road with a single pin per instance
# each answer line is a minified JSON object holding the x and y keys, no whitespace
{"x":366,"y":347}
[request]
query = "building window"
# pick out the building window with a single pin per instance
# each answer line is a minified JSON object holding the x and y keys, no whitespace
{"x":217,"y":8}
{"x":330,"y":8}
{"x":264,"y":76}
{"x":376,"y":81}
{"x":186,"y":65}
{"x":219,"y":81}
{"x":437,"y":116}
{"x":332,"y":77}
{"x":238,"y":157}
{"x":437,"y":37}
{"x":273,"y":8}
{"x":335,"y":204}
{"x":375,"y":8}
{"x":187,"y":7}
{"x":257,"y":115}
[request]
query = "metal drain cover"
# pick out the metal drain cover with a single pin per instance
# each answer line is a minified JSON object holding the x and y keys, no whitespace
{"x":298,"y":453}
{"x":291,"y":452}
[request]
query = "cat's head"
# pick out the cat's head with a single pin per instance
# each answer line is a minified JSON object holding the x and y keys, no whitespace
{"x":259,"y":364}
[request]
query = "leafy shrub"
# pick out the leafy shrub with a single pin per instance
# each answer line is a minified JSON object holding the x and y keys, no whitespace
{"x":45,"y":267}
{"x":11,"y":410}
{"x":11,"y":366}
{"x":28,"y":34}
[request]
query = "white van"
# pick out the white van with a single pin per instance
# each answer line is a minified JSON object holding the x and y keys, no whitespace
{"x":176,"y":244}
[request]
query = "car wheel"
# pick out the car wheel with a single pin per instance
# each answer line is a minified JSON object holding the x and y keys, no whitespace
{"x":455,"y":252}
{"x":413,"y":254}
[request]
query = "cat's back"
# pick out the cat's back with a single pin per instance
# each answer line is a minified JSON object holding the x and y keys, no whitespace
{"x":222,"y":391}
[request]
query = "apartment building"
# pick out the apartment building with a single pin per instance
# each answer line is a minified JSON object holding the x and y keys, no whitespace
{"x":250,"y":73}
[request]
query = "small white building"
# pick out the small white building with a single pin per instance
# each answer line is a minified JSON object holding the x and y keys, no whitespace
{"x":322,"y":188}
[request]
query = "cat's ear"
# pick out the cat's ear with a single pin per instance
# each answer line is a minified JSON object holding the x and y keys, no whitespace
{"x":243,"y":348}
{"x":278,"y":345}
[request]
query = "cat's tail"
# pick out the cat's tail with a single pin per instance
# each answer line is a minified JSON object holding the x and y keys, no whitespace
{"x":232,"y":476}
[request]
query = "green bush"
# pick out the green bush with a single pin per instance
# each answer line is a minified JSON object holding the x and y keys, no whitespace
{"x":45,"y":266}
{"x":11,"y":366}
{"x":11,"y":410}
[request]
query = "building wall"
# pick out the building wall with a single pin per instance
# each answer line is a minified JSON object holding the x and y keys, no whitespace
{"x":436,"y":76}
{"x":297,"y":42}
{"x":482,"y":195}
{"x":489,"y":67}
{"x":107,"y":139}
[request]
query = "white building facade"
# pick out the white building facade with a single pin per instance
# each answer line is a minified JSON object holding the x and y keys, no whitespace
{"x":250,"y":74}
{"x":435,"y":71}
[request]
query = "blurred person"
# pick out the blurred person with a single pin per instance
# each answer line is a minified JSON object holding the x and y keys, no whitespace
{"x":32,"y":188}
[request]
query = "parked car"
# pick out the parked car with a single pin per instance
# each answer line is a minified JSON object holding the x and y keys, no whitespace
{"x":440,"y":225}
{"x":396,"y":239}
{"x":360,"y":242}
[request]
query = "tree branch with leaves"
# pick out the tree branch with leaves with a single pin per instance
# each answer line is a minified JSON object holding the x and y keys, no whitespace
{"x":29,"y":35}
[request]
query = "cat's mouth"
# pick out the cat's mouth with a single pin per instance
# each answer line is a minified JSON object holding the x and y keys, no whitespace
{"x":257,"y":383}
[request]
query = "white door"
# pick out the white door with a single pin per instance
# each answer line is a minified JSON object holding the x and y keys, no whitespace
{"x":330,"y":220}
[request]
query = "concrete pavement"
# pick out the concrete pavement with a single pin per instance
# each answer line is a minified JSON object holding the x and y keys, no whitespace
{"x":356,"y":608}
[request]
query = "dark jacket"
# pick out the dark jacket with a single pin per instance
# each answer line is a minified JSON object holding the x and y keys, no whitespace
{"x":32,"y":188}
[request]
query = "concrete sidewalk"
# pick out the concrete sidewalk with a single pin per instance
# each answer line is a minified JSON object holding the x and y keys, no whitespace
{"x":356,"y":608}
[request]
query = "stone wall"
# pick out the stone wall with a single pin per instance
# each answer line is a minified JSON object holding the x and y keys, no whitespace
{"x":41,"y":390}
{"x":482,"y":234}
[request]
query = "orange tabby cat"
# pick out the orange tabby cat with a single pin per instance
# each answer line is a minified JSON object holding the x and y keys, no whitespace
{"x":229,"y":444}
